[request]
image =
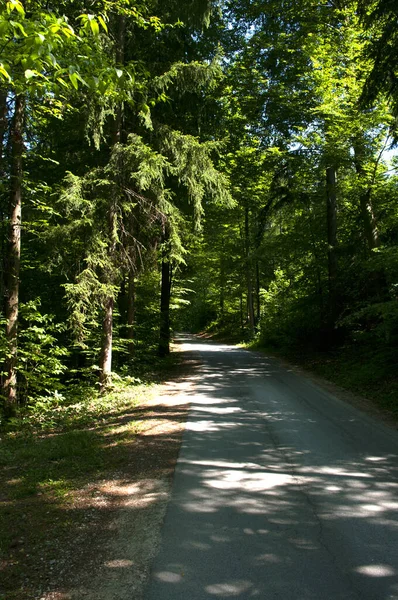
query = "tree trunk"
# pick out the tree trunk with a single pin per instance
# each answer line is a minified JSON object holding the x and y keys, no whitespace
{"x":107,"y":325}
{"x":317,"y":263}
{"x":131,"y":313}
{"x":331,"y":213}
{"x":14,"y":258}
{"x":250,"y":303}
{"x":106,"y":348}
{"x":3,"y":235}
{"x":105,"y":362}
{"x":222,"y":282}
{"x":3,"y":125}
{"x":164,"y":337}
{"x":368,"y":217}
{"x":369,"y":221}
{"x":258,"y":298}
{"x":376,"y":280}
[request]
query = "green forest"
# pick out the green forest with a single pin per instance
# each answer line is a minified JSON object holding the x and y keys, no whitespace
{"x":219,"y":166}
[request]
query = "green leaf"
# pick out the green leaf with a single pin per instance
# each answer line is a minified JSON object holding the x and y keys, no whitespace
{"x":17,"y":25}
{"x":102,"y":22}
{"x":94,"y":27}
{"x":15,"y":5}
{"x":62,"y":82}
{"x":4,"y":73}
{"x":80,"y":78}
{"x":74,"y":80}
{"x":29,"y":74}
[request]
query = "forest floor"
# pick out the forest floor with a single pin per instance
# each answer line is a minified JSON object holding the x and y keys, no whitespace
{"x":81,"y":508}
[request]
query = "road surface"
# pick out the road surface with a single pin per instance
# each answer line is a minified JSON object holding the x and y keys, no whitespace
{"x":281,"y":491}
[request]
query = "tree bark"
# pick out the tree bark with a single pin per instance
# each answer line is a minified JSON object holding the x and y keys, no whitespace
{"x":367,"y":213}
{"x":3,"y":125}
{"x":3,"y":236}
{"x":131,"y":313}
{"x":107,"y":325}
{"x":369,"y":220}
{"x":106,"y":348}
{"x":331,"y":212}
{"x":376,"y":281}
{"x":250,"y":303}
{"x":222,"y":282}
{"x":164,"y":334}
{"x":258,"y":298}
{"x":14,"y":257}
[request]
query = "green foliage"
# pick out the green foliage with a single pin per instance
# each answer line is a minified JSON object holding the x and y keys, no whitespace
{"x":77,"y":406}
{"x":41,"y":356}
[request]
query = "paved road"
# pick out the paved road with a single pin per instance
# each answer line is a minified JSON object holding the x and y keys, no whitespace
{"x":281,"y":491}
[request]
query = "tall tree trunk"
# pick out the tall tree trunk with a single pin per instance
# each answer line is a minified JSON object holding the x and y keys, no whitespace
{"x":3,"y":125}
{"x":14,"y":257}
{"x":376,"y":280}
{"x":367,"y":213}
{"x":258,"y":298}
{"x":317,"y":263}
{"x":369,"y":220}
{"x":131,"y":312}
{"x":3,"y":208}
{"x":105,"y":360}
{"x":331,"y":212}
{"x":106,"y":348}
{"x":164,"y":333}
{"x":222,"y":282}
{"x":107,"y":324}
{"x":250,"y":303}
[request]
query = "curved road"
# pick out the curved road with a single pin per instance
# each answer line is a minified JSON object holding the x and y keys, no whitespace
{"x":281,"y":491}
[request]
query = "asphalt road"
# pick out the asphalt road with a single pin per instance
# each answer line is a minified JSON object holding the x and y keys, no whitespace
{"x":281,"y":491}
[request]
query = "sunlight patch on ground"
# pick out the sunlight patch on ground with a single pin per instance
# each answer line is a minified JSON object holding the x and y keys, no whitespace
{"x":219,"y":410}
{"x":248,"y":482}
{"x":207,"y":426}
{"x":121,"y":563}
{"x":376,"y":570}
{"x":168,"y":577}
{"x":230,"y":589}
{"x":208,"y":348}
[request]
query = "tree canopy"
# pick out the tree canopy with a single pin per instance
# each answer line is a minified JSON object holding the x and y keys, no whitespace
{"x":222,"y":165}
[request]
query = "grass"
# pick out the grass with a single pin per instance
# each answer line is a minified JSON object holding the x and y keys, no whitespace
{"x":54,"y":457}
{"x":49,"y":460}
{"x":49,"y":454}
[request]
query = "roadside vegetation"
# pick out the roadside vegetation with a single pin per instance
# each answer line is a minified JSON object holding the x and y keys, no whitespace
{"x":220,"y":166}
{"x":60,"y":468}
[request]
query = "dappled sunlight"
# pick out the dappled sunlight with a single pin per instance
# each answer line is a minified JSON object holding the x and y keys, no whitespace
{"x":295,"y":491}
{"x":121,"y":563}
{"x":230,"y":589}
{"x":201,"y":347}
{"x":376,"y":570}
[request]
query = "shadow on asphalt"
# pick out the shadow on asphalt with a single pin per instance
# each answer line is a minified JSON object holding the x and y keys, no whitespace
{"x":301,"y":487}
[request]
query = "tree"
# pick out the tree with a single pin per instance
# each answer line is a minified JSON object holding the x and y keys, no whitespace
{"x":39,"y":46}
